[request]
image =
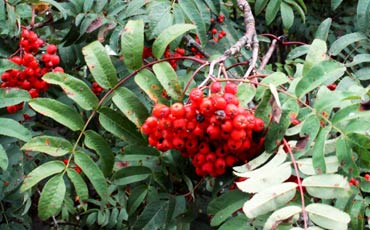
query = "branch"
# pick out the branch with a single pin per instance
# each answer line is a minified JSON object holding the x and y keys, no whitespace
{"x":267,"y":56}
{"x":190,"y":42}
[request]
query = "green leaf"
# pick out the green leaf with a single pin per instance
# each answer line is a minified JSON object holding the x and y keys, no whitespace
{"x":79,"y":184}
{"x":280,"y":215}
{"x":310,"y":129}
{"x":298,"y":51}
{"x":147,"y":81}
{"x":344,"y":41}
{"x":54,"y":146}
{"x":168,"y":78}
{"x":287,"y":15}
{"x":153,"y":215}
{"x":59,"y":112}
{"x":6,"y":64}
{"x":327,"y":186}
{"x":276,"y":79}
{"x":52,"y":197}
{"x":305,"y":165}
{"x":74,"y":88}
{"x":132,"y":44}
{"x":140,"y":153}
{"x":95,"y":141}
{"x":276,"y":131}
{"x":323,"y":30}
{"x":270,"y":199}
{"x":266,"y":178}
{"x":195,"y":17}
{"x":249,"y":170}
{"x":344,"y":154}
{"x":298,"y":8}
{"x":92,"y":172}
{"x":40,"y":173}
{"x":13,"y":96}
{"x":100,"y":65}
{"x":316,"y":54}
{"x":358,"y":59}
{"x":357,"y":214}
{"x":130,"y":105}
{"x":213,"y":5}
{"x":225,"y":205}
{"x":131,"y":175}
{"x":363,"y":74}
{"x":167,"y":36}
{"x":119,"y":125}
{"x":319,"y":74}
{"x":235,"y":223}
{"x":335,"y":4}
{"x":365,"y":186}
{"x":136,"y":197}
{"x":327,"y":216}
{"x":58,"y":6}
{"x":4,"y":161}
{"x":362,"y":16}
{"x":272,"y":10}
{"x":259,"y":6}
{"x":12,"y":128}
{"x":318,"y":159}
{"x":245,"y":94}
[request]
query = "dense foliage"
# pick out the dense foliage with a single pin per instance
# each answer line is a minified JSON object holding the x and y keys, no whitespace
{"x":131,"y":115}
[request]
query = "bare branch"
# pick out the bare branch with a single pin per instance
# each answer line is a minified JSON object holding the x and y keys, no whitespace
{"x":267,"y":56}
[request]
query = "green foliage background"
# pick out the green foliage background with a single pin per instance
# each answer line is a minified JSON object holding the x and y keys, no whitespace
{"x":125,"y":184}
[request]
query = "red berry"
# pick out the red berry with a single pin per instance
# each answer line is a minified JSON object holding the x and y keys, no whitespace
{"x":177,"y":110}
{"x":259,"y":125}
{"x":231,"y":88}
{"x":216,"y":87}
{"x":214,"y":31}
{"x":332,"y":87}
{"x":160,"y":111}
{"x":196,"y":96}
{"x":51,"y":49}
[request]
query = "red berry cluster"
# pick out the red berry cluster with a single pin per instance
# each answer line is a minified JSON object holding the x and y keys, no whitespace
{"x":29,"y":78}
{"x":179,"y":52}
{"x":96,"y":88}
{"x":214,"y":131}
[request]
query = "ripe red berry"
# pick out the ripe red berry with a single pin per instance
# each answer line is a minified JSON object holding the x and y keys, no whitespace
{"x":196,"y":96}
{"x":231,"y":88}
{"x":259,"y":125}
{"x":216,"y":87}
{"x":214,"y":31}
{"x":51,"y":49}
{"x":177,"y":110}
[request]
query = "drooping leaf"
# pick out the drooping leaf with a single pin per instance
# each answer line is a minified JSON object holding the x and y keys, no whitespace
{"x":131,"y":175}
{"x":52,"y":197}
{"x":271,"y":11}
{"x":266,"y":178}
{"x":357,"y":214}
{"x":318,"y":74}
{"x":153,"y":215}
{"x":74,"y":88}
{"x":270,"y":199}
{"x":40,"y":173}
{"x":358,"y":59}
{"x":235,"y":223}
{"x":147,"y":81}
{"x":259,"y":6}
{"x":249,"y":170}
{"x":59,"y":112}
{"x":253,"y":164}
{"x":54,"y":146}
{"x":298,"y":7}
{"x":327,"y":186}
{"x":280,"y":215}
{"x":318,"y":159}
{"x":13,"y":96}
{"x":362,"y":15}
{"x":132,"y":44}
{"x":92,"y":171}
{"x":4,"y":161}
{"x":316,"y":53}
{"x":287,"y":15}
{"x":130,"y":105}
{"x":195,"y":17}
{"x":12,"y":128}
{"x":305,"y":165}
{"x":344,"y":41}
{"x":100,"y":65}
{"x":298,"y":51}
{"x":327,"y":216}
{"x":225,"y":205}
{"x":335,"y":4}
{"x":168,"y":78}
{"x":119,"y":125}
{"x":136,"y":197}
{"x":167,"y":36}
{"x":323,"y":30}
{"x":245,"y":94}
{"x":79,"y":184}
{"x":95,"y":141}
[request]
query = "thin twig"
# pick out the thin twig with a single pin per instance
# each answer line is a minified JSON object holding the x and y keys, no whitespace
{"x":267,"y":56}
{"x":55,"y":223}
{"x":190,"y":42}
{"x":304,"y":212}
